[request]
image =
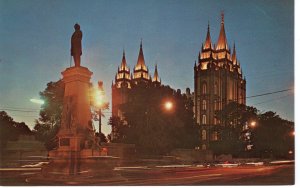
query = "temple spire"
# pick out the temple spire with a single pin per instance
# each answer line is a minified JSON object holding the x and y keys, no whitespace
{"x":155,"y":76}
{"x":222,"y":17}
{"x":123,"y":74}
{"x":140,"y":69}
{"x":123,"y":64}
{"x":207,"y":43}
{"x":234,"y":54}
{"x":141,"y":62}
{"x":222,"y":41}
{"x":156,"y":80}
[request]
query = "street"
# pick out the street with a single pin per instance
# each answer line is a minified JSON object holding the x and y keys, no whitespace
{"x":167,"y":175}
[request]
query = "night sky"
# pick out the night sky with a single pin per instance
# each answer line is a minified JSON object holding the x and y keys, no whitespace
{"x":35,"y":45}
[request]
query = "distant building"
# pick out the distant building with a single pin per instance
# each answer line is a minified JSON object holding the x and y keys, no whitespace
{"x":218,"y":80}
{"x":124,"y":81}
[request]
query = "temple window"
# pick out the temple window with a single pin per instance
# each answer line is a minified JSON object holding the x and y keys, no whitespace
{"x":203,"y":134}
{"x":204,"y":105}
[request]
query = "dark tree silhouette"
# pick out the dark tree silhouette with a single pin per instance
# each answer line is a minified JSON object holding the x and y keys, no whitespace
{"x":11,"y":130}
{"x":273,"y":136}
{"x":151,"y":127}
{"x":233,"y":117}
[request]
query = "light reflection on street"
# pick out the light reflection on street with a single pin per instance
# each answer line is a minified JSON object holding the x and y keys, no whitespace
{"x":251,"y":173}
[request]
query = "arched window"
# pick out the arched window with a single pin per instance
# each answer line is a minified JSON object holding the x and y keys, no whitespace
{"x":204,"y":119}
{"x":204,"y":105}
{"x":203,"y":134}
{"x":215,"y":121}
{"x":216,"y":103}
{"x":203,"y":147}
{"x":204,"y":88}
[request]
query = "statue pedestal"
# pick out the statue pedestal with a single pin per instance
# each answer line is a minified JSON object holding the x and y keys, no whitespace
{"x":76,"y":124}
{"x":78,"y":151}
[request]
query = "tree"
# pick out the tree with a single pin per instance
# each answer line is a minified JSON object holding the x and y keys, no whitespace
{"x":47,"y":125}
{"x":273,"y":136}
{"x":11,"y":130}
{"x":152,"y":128}
{"x":119,"y":128}
{"x":233,"y":118}
{"x":22,"y":128}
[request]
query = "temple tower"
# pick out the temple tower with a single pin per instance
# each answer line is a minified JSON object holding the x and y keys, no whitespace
{"x":121,"y":87}
{"x":218,"y":80}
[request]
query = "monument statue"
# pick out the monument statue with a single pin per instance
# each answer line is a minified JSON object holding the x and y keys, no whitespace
{"x":76,"y":45}
{"x":78,"y":155}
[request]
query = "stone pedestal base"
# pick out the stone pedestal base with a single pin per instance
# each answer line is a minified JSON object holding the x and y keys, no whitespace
{"x":84,"y":163}
{"x":78,"y":155}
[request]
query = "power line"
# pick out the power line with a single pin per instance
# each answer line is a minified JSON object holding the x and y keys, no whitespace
{"x":266,"y":101}
{"x":14,"y":110}
{"x":15,"y":115}
{"x":253,"y":96}
{"x":269,"y":93}
{"x":19,"y":108}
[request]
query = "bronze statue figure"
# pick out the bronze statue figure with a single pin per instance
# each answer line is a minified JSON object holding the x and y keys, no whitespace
{"x":76,"y":45}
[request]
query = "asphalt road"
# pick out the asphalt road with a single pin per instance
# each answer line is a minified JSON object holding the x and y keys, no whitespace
{"x":184,"y":175}
{"x":262,"y":175}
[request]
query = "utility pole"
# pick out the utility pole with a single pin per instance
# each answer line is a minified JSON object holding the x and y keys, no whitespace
{"x":99,"y":113}
{"x":100,"y":87}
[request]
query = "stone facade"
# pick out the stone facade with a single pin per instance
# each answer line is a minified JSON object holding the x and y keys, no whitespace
{"x":218,"y":80}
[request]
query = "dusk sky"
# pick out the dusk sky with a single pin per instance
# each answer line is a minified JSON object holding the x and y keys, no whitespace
{"x":35,"y":45}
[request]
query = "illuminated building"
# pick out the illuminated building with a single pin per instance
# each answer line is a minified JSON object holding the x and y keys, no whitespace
{"x":124,"y":81}
{"x":218,"y":80}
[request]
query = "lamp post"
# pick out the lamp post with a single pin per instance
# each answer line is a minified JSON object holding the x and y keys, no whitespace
{"x":99,"y":102}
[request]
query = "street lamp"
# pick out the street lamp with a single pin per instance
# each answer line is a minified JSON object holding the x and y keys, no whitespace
{"x":168,"y":105}
{"x":253,"y":124}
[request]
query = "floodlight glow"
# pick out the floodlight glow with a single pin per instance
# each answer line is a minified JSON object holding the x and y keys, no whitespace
{"x":99,"y":97}
{"x":37,"y":101}
{"x":253,"y":124}
{"x":168,"y":105}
